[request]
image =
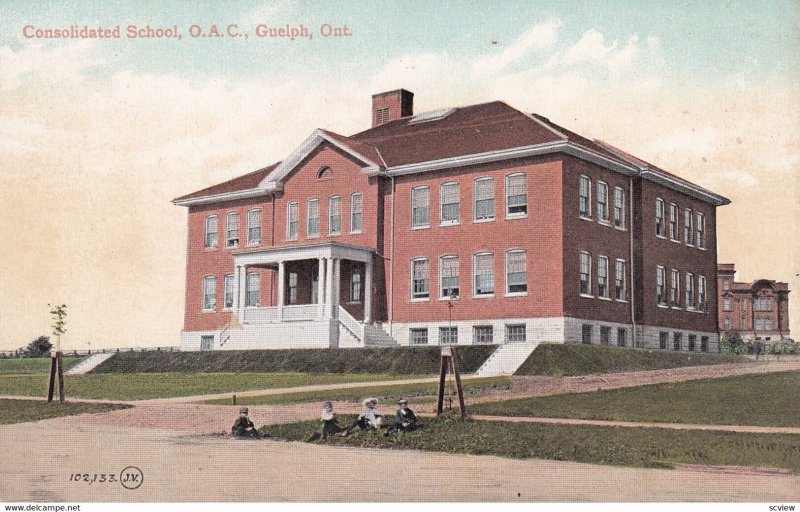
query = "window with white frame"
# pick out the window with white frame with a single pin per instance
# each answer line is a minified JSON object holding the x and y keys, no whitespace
{"x":660,"y":217}
{"x":689,"y":290}
{"x":418,"y":336}
{"x":419,"y":278}
{"x":676,"y":340}
{"x":334,"y":215}
{"x":484,"y":199}
{"x":211,"y":231}
{"x":516,"y":271}
{"x":586,"y":334}
{"x":483,"y":269}
{"x":605,"y":335}
{"x":586,"y":273}
{"x":701,"y":231}
{"x":254,"y":227}
{"x":356,"y":216}
{"x":325,"y":173}
{"x":602,"y":202}
{"x":602,"y":276}
{"x":228,"y":297}
{"x":726,"y":284}
{"x":701,"y":292}
{"x":449,"y":194}
{"x":585,"y":197}
{"x":726,"y":323}
{"x":449,"y":277}
{"x":661,"y":277}
{"x":692,"y":342}
{"x":291,"y":221}
{"x":688,"y":230}
{"x":210,"y":293}
{"x":420,"y":207}
{"x":762,"y":304}
{"x":673,"y":221}
{"x":763,"y":324}
{"x":663,"y":337}
{"x":619,"y":208}
{"x":482,"y":334}
{"x":355,"y":287}
{"x":292,"y":287}
{"x":448,"y":335}
{"x":674,"y":290}
{"x":232,"y":232}
{"x":726,"y":303}
{"x":516,"y":195}
{"x":253,"y":289}
{"x":619,"y":280}
{"x":516,"y":333}
{"x":312,"y":230}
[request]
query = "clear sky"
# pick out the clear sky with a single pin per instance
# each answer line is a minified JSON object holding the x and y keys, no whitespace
{"x":97,"y":136}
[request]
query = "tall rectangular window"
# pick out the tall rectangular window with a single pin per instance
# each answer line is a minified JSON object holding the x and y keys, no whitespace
{"x":228,"y":304}
{"x":448,"y":335}
{"x":661,"y":278}
{"x":676,"y":340}
{"x":703,"y":343}
{"x":484,"y":199}
{"x":254,"y":227}
{"x":673,"y":221}
{"x":356,"y":216}
{"x":605,"y":334}
{"x":210,"y":293}
{"x":483,"y":269}
{"x":292,"y":287}
{"x":355,"y":287}
{"x":662,"y":340}
{"x":726,"y":303}
{"x":516,"y":195}
{"x":232,"y":229}
{"x":312,"y":230}
{"x":689,"y":289}
{"x":420,"y":208}
{"x":701,"y":292}
{"x":586,"y":197}
{"x":482,"y":334}
{"x":602,"y":276}
{"x":602,"y":202}
{"x":674,"y":289}
{"x":516,"y":271}
{"x":726,"y":323}
{"x":726,"y":284}
{"x":621,"y":334}
{"x":619,"y":281}
{"x":688,"y":230}
{"x":586,"y":334}
{"x":701,"y":231}
{"x":211,"y":231}
{"x":586,"y":273}
{"x":291,"y":221}
{"x":419,"y":279}
{"x":762,"y":304}
{"x":449,"y":276}
{"x":619,"y":208}
{"x":660,"y":217}
{"x":692,"y":342}
{"x":450,"y":202}
{"x":253,"y":291}
{"x":335,"y":215}
{"x":418,"y":336}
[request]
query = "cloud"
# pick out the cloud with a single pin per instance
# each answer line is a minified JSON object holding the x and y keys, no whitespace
{"x":64,"y":64}
{"x":539,"y":37}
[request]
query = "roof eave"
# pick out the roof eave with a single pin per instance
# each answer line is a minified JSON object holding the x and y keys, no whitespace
{"x":226,"y":196}
{"x":696,"y":192}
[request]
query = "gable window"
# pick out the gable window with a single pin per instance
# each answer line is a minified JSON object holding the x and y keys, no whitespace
{"x":419,"y":278}
{"x":516,"y":195}
{"x":312,"y":230}
{"x":660,"y":217}
{"x":254,"y":227}
{"x":253,"y":291}
{"x":701,"y":292}
{"x":673,"y":221}
{"x":482,"y":334}
{"x":602,"y":202}
{"x":586,"y":197}
{"x":484,"y":199}
{"x":483,"y":265}
{"x":515,"y":333}
{"x":586,"y":274}
{"x":688,"y":230}
{"x":228,"y":297}
{"x":661,"y":277}
{"x":619,"y":208}
{"x":211,"y":232}
{"x":619,"y":280}
{"x":291,"y":221}
{"x":232,"y":221}
{"x":420,"y":208}
{"x":674,"y":291}
{"x":726,"y":303}
{"x":701,"y":231}
{"x":335,"y":215}
{"x":209,"y":293}
{"x":355,"y":287}
{"x":356,"y":203}
{"x":325,"y":173}
{"x":516,"y":272}
{"x":450,"y":199}
{"x":448,"y":274}
{"x":418,"y":336}
{"x":448,"y":335}
{"x":689,"y":290}
{"x":602,"y":276}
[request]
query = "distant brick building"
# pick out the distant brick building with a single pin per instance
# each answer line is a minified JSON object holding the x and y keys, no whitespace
{"x":531,"y":232}
{"x":759,"y":311}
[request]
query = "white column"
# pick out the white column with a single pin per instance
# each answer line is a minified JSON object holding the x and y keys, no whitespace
{"x":328,"y":287}
{"x":241,"y":289}
{"x":321,"y":288}
{"x":337,"y":274}
{"x":368,"y":292}
{"x":281,"y":286}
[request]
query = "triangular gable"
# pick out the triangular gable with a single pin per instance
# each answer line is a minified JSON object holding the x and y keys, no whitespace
{"x":274,"y":181}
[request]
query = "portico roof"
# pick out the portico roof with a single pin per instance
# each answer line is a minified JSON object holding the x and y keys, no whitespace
{"x":260,"y":256}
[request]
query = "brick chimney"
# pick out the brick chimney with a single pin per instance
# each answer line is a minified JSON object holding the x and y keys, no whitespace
{"x":388,"y":106}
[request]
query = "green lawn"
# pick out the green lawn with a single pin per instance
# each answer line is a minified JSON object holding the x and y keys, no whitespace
{"x":33,"y":365}
{"x":20,"y":411}
{"x":768,"y":400}
{"x":138,"y":386}
{"x":640,"y":447}
{"x":384,"y":393}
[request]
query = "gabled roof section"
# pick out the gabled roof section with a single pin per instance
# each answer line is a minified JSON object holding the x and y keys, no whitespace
{"x":237,"y":188}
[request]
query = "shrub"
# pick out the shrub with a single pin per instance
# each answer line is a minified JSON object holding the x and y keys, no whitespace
{"x":40,"y":347}
{"x":732,"y":343}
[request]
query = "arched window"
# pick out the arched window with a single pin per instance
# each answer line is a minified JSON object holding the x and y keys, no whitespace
{"x":325,"y":173}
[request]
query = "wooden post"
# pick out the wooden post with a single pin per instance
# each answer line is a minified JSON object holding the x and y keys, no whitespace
{"x":442,"y":376}
{"x":459,"y":389}
{"x":444,"y":365}
{"x":60,"y":365}
{"x":52,"y":380}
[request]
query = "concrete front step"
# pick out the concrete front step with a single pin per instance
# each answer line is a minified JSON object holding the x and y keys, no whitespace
{"x":506,"y":359}
{"x":89,"y":364}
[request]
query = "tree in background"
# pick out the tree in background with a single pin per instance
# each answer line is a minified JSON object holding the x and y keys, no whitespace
{"x":40,"y":347}
{"x":732,"y":343}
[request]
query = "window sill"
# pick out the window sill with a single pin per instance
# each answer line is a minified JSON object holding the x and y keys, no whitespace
{"x":205,"y":311}
{"x":586,"y":296}
{"x":449,"y":298}
{"x":210,"y":249}
{"x":447,"y":224}
{"x":662,"y":306}
{"x":605,"y":298}
{"x":231,"y":247}
{"x":620,"y":228}
{"x":417,"y":228}
{"x":516,"y":294}
{"x":253,"y":244}
{"x":661,"y":236}
{"x":356,"y":232}
{"x":312,"y":236}
{"x":334,"y":234}
{"x":483,"y":221}
{"x":702,"y":248}
{"x":294,"y":239}
{"x":675,"y":240}
{"x":355,"y":302}
{"x":420,"y":299}
{"x":622,"y":301}
{"x":604,"y":222}
{"x":586,"y":218}
{"x":677,"y":308}
{"x":514,"y":216}
{"x":485,"y":296}
{"x":689,"y":245}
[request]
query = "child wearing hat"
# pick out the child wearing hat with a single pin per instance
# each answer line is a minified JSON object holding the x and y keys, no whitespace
{"x":369,"y":419}
{"x":330,"y":425}
{"x":243,"y":427}
{"x":404,"y":420}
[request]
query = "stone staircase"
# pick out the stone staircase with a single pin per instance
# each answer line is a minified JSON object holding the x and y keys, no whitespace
{"x":89,"y":364}
{"x":506,"y":359}
{"x":377,"y":337}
